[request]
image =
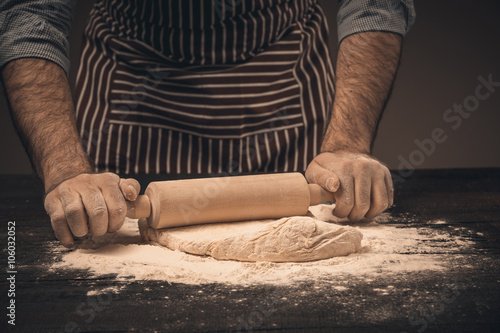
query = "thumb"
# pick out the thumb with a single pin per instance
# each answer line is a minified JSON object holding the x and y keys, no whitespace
{"x":130,"y":188}
{"x":325,"y":178}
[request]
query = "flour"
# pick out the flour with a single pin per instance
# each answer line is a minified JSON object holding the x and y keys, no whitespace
{"x":386,"y":249}
{"x":107,"y":290}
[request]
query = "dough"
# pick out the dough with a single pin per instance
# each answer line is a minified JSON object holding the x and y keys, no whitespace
{"x":299,"y":238}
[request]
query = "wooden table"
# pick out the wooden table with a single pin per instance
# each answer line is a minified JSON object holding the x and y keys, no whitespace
{"x":58,"y":301}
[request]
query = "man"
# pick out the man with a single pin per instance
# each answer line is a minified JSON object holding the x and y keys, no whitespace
{"x":199,"y":87}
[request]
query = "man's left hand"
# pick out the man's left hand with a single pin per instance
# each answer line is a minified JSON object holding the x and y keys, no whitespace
{"x":361,"y":184}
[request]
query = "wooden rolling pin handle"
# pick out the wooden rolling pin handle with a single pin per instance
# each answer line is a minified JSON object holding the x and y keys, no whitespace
{"x":319,"y":195}
{"x":140,"y":208}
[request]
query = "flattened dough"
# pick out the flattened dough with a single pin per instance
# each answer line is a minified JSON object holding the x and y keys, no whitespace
{"x":298,"y":238}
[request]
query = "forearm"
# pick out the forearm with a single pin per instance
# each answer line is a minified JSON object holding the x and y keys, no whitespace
{"x":366,"y":67}
{"x":42,"y":109}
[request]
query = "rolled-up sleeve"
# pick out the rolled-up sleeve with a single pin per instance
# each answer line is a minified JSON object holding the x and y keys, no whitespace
{"x":35,"y":29}
{"x":355,"y":16}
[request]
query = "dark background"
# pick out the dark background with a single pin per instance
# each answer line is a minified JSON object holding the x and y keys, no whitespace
{"x":450,"y":45}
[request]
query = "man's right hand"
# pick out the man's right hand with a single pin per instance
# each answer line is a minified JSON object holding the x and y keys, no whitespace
{"x":89,"y":202}
{"x":42,"y":110}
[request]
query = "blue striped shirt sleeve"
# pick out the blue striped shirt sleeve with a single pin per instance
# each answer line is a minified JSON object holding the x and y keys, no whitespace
{"x":355,"y":16}
{"x":36,"y":29}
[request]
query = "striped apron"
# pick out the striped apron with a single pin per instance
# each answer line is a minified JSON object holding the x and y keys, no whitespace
{"x":200,"y":86}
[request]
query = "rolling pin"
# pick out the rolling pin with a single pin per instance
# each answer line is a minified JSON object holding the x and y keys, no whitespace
{"x":226,"y":199}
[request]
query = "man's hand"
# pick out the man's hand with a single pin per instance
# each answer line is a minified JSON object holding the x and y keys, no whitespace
{"x":42,"y":109}
{"x":95,"y":202}
{"x":366,"y":66}
{"x":362,"y":185}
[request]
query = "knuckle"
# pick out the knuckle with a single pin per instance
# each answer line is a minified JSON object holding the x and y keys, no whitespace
{"x":380,"y":173}
{"x":364,"y":166}
{"x":63,"y":189}
{"x":116,"y":212}
{"x":111,"y":191}
{"x":50,"y":205}
{"x":110,"y":177}
{"x":311,"y":172}
{"x":345,"y":168}
{"x":72,"y":209}
{"x":98,"y":212}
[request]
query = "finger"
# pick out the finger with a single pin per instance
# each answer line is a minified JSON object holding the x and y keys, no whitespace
{"x":325,"y":178}
{"x":74,"y":211}
{"x":344,"y":198}
{"x":130,"y":188}
{"x":362,"y":190}
{"x":97,"y":211}
{"x":379,"y":196}
{"x":116,"y":206}
{"x":389,"y":187}
{"x":58,"y":221}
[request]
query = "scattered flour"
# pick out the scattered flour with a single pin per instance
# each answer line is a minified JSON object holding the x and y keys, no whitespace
{"x":386,"y":249}
{"x":106,"y":290}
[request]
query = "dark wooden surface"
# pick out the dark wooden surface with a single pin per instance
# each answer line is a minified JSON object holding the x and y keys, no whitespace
{"x":58,"y":301}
